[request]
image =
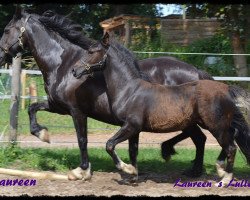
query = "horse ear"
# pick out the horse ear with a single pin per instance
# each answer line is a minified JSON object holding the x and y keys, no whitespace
{"x":18,"y":13}
{"x":105,"y":39}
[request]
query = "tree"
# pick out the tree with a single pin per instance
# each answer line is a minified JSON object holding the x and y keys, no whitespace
{"x":88,"y":15}
{"x":235,"y":21}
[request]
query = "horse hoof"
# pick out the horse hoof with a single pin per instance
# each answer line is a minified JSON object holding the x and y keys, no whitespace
{"x":220,"y":166}
{"x":167,"y":151}
{"x":167,"y":159}
{"x":80,"y":174}
{"x":75,"y":174}
{"x":44,"y":135}
{"x":127,"y":168}
{"x":225,"y":180}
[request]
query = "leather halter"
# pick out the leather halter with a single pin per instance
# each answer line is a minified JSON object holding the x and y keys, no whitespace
{"x":91,"y":68}
{"x":19,"y":39}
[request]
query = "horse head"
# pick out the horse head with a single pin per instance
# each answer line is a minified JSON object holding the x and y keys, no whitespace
{"x":12,"y":41}
{"x":94,"y":60}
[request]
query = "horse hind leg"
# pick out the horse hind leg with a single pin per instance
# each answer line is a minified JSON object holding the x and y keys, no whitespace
{"x":37,"y":130}
{"x":229,"y":151}
{"x":167,"y":147}
{"x":199,"y":139}
{"x":220,"y":164}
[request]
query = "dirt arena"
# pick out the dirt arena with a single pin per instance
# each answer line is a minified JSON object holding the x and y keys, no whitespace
{"x":111,"y":184}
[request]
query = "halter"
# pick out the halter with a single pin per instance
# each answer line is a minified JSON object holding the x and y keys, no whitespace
{"x":91,"y":68}
{"x":19,"y":40}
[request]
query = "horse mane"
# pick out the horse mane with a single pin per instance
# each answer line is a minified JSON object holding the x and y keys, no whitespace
{"x":204,"y":75}
{"x":66,"y":28}
{"x":130,"y":59}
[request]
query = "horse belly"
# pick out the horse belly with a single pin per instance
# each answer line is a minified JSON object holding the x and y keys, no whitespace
{"x":169,"y":120}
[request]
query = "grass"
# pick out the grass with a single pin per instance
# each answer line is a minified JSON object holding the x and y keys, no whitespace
{"x":149,"y":160}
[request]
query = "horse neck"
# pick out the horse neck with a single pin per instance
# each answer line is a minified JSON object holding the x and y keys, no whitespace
{"x":119,"y":75}
{"x":46,"y":49}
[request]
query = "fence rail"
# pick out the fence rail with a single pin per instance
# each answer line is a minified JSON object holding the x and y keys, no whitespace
{"x":182,"y":53}
{"x":37,"y":72}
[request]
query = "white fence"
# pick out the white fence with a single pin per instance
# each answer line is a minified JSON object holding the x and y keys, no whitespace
{"x":37,"y":72}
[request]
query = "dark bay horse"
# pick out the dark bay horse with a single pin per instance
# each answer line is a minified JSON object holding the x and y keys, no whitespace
{"x":163,"y":70}
{"x":47,"y":37}
{"x":141,"y":105}
{"x":81,"y":100}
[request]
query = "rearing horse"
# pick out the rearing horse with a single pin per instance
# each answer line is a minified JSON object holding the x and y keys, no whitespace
{"x":141,"y":105}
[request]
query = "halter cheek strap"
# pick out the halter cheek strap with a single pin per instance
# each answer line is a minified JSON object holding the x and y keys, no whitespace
{"x":91,"y":68}
{"x":19,"y":40}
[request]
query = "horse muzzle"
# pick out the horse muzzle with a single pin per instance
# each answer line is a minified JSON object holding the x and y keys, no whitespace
{"x":77,"y":74}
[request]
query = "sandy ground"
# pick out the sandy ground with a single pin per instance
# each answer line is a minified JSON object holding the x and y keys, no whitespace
{"x":111,"y":184}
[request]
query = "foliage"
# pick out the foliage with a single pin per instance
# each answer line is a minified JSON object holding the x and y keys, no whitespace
{"x":216,"y":44}
{"x":88,"y":15}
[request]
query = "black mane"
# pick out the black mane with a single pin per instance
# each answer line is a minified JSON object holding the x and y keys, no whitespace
{"x":130,"y":58}
{"x":66,"y":28}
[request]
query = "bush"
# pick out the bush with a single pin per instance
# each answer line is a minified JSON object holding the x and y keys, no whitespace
{"x":216,"y":44}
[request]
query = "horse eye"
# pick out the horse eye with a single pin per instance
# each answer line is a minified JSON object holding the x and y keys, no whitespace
{"x":6,"y":31}
{"x":90,"y":52}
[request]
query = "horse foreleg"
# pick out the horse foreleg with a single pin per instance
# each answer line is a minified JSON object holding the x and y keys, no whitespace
{"x":37,"y":130}
{"x":127,"y":131}
{"x":133,"y":150}
{"x":84,"y":171}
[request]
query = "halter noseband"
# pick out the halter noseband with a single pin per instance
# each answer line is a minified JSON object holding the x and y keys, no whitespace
{"x":19,"y":40}
{"x":91,"y":68}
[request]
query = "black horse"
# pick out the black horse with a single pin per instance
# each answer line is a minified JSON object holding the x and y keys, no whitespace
{"x":141,"y":105}
{"x":47,"y":37}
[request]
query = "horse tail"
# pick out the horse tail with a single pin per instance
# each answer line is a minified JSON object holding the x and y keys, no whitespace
{"x":204,"y":75}
{"x":240,"y":96}
{"x":239,"y":125}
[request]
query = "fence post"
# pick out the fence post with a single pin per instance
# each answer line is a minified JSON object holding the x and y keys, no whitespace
{"x":15,"y":98}
{"x":33,"y":91}
{"x":23,"y":84}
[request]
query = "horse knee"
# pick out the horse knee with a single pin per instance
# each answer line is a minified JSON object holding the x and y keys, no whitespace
{"x":109,"y":146}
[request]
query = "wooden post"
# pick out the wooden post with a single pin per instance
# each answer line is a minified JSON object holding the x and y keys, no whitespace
{"x":33,"y":91}
{"x":15,"y":98}
{"x":127,"y":27}
{"x":30,"y":174}
{"x":23,"y":83}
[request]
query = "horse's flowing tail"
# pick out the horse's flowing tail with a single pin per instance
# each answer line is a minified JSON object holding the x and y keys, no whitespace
{"x":239,"y":125}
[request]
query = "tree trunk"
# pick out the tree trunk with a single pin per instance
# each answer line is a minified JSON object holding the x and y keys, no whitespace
{"x":127,"y":39}
{"x":240,"y":61}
